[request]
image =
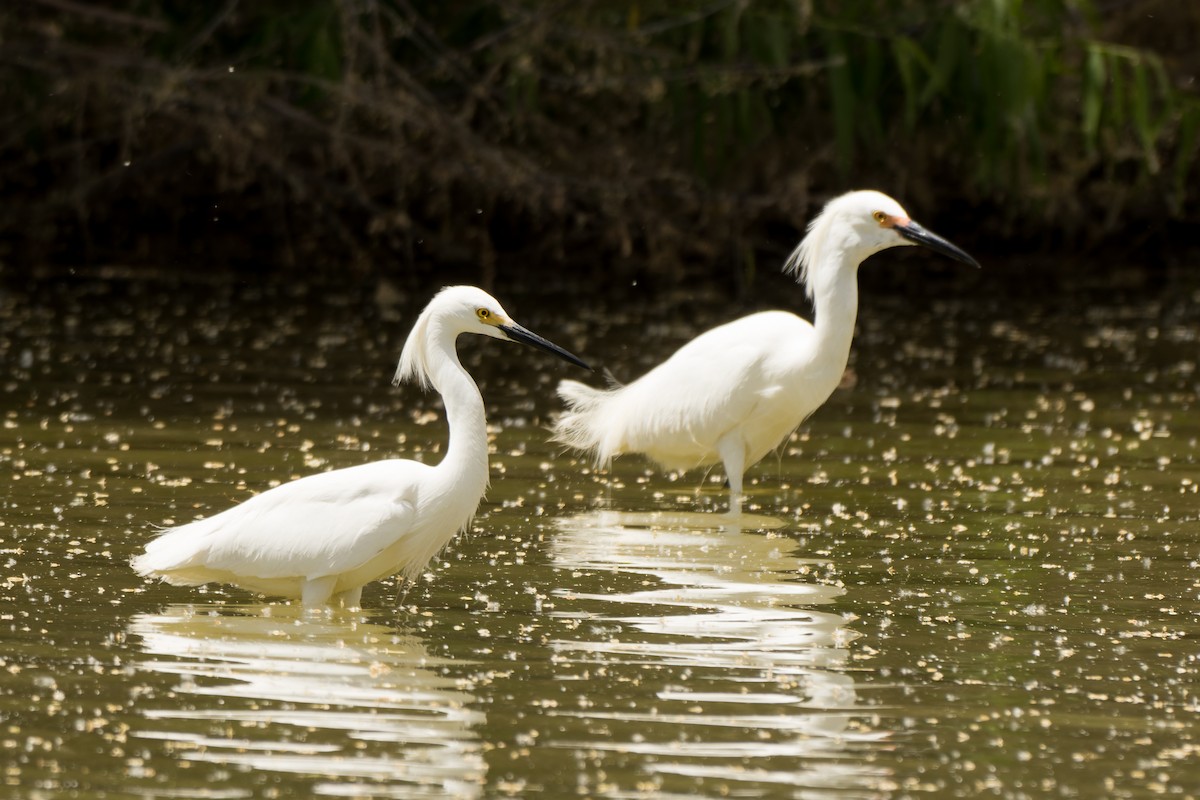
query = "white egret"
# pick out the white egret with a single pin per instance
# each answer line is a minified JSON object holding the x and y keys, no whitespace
{"x":324,"y":536}
{"x":734,"y":393}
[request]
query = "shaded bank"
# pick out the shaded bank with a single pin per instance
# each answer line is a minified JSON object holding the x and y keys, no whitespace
{"x":512,"y":134}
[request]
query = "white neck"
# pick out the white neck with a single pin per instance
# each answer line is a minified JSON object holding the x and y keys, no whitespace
{"x":835,"y":304}
{"x":465,"y":464}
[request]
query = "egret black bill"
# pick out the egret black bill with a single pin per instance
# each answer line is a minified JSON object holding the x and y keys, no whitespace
{"x":918,"y":235}
{"x":526,"y":336}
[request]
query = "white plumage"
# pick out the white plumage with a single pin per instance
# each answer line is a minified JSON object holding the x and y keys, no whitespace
{"x":326,"y":535}
{"x":734,"y":393}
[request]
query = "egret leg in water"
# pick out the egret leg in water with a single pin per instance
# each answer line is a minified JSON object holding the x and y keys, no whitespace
{"x":735,"y":393}
{"x":322,"y":537}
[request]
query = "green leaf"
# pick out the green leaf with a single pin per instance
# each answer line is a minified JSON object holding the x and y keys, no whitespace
{"x":1093,"y":96}
{"x":902,"y":58}
{"x":841,"y":88}
{"x":951,"y":43}
{"x":1140,"y":103}
{"x":730,"y":33}
{"x":1185,"y":150}
{"x":873,"y":107}
{"x":1117,"y":97}
{"x":1165,"y":90}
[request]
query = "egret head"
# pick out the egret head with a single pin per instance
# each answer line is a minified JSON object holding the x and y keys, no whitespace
{"x":857,"y":225}
{"x":464,"y":309}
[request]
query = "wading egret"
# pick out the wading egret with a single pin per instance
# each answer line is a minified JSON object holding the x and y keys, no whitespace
{"x":734,"y":393}
{"x":324,"y":536}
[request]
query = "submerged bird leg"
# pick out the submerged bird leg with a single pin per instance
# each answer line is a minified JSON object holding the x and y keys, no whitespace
{"x":733,"y":456}
{"x":317,"y":591}
{"x":350,"y":599}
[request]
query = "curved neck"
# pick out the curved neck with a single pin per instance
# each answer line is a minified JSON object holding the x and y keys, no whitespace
{"x":466,"y":454}
{"x":835,"y":304}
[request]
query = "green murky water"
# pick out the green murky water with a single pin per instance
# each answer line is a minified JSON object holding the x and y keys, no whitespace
{"x":985,"y":582}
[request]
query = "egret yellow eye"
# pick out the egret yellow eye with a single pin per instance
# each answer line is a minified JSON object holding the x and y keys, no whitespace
{"x":880,"y":217}
{"x":483,"y":314}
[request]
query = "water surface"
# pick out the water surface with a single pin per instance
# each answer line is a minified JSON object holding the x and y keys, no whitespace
{"x":973,"y":573}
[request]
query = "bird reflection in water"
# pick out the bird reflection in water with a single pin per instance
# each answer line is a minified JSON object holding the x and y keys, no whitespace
{"x":339,"y":707}
{"x":752,"y":680}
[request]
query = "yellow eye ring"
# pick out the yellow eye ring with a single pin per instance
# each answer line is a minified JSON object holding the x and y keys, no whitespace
{"x":880,"y":217}
{"x":483,"y":314}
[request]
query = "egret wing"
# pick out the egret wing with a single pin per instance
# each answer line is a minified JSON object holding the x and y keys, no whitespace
{"x":709,"y":386}
{"x":322,"y":524}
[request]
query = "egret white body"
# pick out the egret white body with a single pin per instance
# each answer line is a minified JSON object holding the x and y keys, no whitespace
{"x":736,"y":392}
{"x":324,"y":536}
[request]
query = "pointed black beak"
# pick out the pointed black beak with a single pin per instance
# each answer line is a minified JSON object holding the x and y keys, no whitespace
{"x":526,"y":336}
{"x":918,"y":235}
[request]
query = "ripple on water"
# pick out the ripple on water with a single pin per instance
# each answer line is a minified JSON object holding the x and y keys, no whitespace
{"x":356,"y":706}
{"x":758,"y":689}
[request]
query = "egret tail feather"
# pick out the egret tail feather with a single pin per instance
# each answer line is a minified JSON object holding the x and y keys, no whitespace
{"x":582,"y":426}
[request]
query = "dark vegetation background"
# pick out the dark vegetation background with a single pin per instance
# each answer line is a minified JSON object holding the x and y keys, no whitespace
{"x":573,"y":139}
